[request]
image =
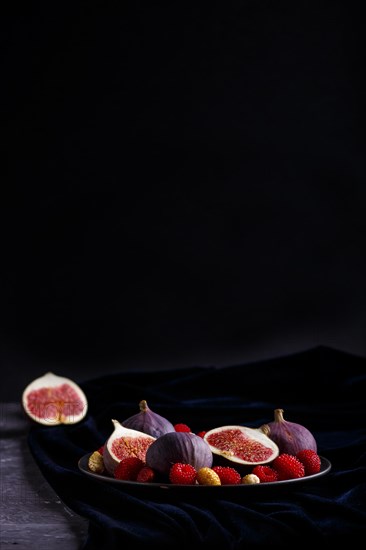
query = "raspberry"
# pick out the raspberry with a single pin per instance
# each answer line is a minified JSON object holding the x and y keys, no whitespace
{"x":101,"y":449}
{"x":288,"y":467}
{"x":201,"y":434}
{"x":311,"y":461}
{"x":128,"y":468}
{"x":146,"y":475}
{"x":182,"y":428}
{"x":182,"y":474}
{"x":266,"y":474}
{"x":227,"y":475}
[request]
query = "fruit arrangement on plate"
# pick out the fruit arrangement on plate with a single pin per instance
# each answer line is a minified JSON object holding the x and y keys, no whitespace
{"x":148,"y":448}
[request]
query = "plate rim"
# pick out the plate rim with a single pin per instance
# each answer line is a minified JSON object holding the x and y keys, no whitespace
{"x":326,"y":466}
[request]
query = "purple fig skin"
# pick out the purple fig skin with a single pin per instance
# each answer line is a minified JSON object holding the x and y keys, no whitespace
{"x":173,"y":447}
{"x":289,"y":436}
{"x":148,"y":422}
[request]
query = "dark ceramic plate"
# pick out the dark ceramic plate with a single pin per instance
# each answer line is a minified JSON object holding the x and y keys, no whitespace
{"x":158,"y":486}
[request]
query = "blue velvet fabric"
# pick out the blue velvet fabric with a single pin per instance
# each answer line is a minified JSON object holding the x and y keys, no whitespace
{"x":320,"y":388}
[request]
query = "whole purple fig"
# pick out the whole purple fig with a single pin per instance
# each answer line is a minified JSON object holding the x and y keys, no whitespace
{"x":148,"y":421}
{"x":289,"y":436}
{"x":185,"y":447}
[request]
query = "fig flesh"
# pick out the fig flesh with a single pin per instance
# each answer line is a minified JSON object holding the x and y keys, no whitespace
{"x":290,"y":437}
{"x":148,"y":421}
{"x":241,"y":444}
{"x":52,"y":400}
{"x":123,"y":443}
{"x":174,"y":447}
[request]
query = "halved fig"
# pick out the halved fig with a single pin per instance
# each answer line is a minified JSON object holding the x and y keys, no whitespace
{"x":123,"y":443}
{"x":52,"y":400}
{"x":242,"y":445}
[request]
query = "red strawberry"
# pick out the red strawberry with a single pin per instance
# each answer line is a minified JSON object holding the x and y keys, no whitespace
{"x":265,"y":473}
{"x":182,"y":474}
{"x":311,"y":461}
{"x":227,"y":475}
{"x":182,"y":428}
{"x":146,"y":475}
{"x":288,"y":467}
{"x":128,"y":468}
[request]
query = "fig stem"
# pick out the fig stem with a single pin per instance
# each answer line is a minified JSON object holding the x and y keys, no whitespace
{"x":265,"y":429}
{"x":143,"y":405}
{"x":279,"y":415}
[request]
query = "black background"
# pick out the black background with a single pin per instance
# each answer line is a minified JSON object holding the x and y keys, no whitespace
{"x":184,"y":184}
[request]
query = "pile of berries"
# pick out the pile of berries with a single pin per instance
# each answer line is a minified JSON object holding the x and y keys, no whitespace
{"x":284,"y":467}
{"x":305,"y":463}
